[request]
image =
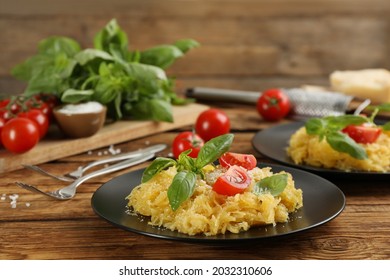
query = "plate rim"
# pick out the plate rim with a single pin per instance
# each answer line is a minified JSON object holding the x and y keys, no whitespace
{"x":221,"y":238}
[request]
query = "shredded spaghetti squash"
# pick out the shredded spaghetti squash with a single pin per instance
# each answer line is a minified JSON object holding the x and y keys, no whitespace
{"x":209,"y":213}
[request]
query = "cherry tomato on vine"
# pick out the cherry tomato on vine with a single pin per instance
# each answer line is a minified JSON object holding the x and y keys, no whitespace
{"x":20,"y":135}
{"x":273,"y":105}
{"x":234,"y":181}
{"x":40,"y":118}
{"x":247,"y":161}
{"x":2,"y":123}
{"x":187,"y":140}
{"x":212,"y":123}
{"x":364,"y":133}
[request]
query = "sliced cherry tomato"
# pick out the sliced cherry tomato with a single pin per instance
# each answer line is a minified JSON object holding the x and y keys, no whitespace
{"x":212,"y":123}
{"x":20,"y":135}
{"x":273,"y":105}
{"x":187,"y":140}
{"x":39,"y":118}
{"x":244,"y":160}
{"x":234,"y":181}
{"x":364,"y":133}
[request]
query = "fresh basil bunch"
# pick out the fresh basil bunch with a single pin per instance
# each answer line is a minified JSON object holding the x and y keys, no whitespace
{"x":184,"y":182}
{"x":131,"y":83}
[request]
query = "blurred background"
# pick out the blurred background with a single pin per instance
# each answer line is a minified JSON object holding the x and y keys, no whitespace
{"x":245,"y":44}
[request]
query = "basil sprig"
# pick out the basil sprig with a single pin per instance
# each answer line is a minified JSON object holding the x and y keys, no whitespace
{"x":184,"y":182}
{"x":329,"y":128}
{"x":274,"y":185}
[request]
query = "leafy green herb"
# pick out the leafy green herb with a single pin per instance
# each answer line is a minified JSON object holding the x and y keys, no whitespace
{"x":184,"y":182}
{"x":329,"y":128}
{"x":274,"y":185}
{"x":182,"y":187}
{"x":132,"y":83}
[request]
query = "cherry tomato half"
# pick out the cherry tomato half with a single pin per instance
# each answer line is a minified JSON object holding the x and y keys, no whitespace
{"x":273,"y":105}
{"x":364,"y":133}
{"x":212,"y":123}
{"x":244,"y":160}
{"x":234,"y":181}
{"x":39,"y":118}
{"x":187,"y":140}
{"x":20,"y":135}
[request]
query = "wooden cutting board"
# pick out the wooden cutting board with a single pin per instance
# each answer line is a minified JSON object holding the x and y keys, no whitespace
{"x":121,"y":131}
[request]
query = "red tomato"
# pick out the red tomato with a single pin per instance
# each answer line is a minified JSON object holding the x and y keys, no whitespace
{"x":39,"y":118}
{"x":273,"y":105}
{"x":244,"y":160}
{"x":234,"y":181}
{"x":364,"y":133}
{"x":2,"y":123}
{"x":212,"y":123}
{"x":20,"y":135}
{"x":187,"y":140}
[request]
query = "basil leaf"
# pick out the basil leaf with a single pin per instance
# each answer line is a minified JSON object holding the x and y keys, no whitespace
{"x":274,"y":184}
{"x":343,"y":143}
{"x":74,"y":96}
{"x":157,"y":166}
{"x":109,"y":36}
{"x":87,"y":55}
{"x":182,"y":187}
{"x":185,"y":162}
{"x":213,"y":149}
{"x":162,"y":56}
{"x":315,"y":126}
{"x":59,"y":45}
{"x":339,"y":122}
{"x":386,"y":126}
{"x":186,"y":44}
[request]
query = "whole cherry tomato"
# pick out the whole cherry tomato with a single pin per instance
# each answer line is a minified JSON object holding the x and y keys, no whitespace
{"x":2,"y":123}
{"x":234,"y":181}
{"x":20,"y":135}
{"x":273,"y":105}
{"x":244,"y":160}
{"x":187,"y":140}
{"x":39,"y":118}
{"x":212,"y":123}
{"x":364,"y":133}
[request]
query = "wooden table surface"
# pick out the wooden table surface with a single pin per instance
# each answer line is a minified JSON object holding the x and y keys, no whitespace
{"x":43,"y":228}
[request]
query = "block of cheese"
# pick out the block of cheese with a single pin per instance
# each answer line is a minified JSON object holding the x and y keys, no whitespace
{"x":367,"y":83}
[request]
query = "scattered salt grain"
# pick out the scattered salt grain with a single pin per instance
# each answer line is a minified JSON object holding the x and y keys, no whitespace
{"x":28,"y":204}
{"x":2,"y":198}
{"x":100,"y":153}
{"x":89,"y":152}
{"x":147,"y":142}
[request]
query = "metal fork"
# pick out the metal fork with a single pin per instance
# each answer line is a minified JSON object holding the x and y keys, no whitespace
{"x":71,"y":176}
{"x":69,"y":191}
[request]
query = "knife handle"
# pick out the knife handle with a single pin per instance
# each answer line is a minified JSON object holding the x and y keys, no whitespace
{"x":225,"y":95}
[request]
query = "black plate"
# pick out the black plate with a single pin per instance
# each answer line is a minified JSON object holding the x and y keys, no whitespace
{"x":273,"y":142}
{"x":322,"y":202}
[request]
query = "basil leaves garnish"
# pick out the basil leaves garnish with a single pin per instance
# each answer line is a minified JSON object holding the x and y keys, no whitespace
{"x":274,"y":185}
{"x":329,"y":128}
{"x":184,"y":182}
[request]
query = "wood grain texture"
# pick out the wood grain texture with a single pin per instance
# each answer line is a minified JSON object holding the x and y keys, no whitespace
{"x":71,"y":230}
{"x":251,"y":40}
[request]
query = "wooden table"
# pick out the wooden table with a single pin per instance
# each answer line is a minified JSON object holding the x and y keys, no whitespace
{"x":43,"y":228}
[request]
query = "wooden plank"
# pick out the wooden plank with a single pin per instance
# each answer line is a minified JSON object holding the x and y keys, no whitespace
{"x":48,"y":150}
{"x":169,"y":8}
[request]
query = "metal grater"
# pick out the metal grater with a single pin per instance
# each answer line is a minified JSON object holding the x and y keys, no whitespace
{"x":304,"y":102}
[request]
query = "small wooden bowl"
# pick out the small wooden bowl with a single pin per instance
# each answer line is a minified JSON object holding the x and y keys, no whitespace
{"x":80,"y":124}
